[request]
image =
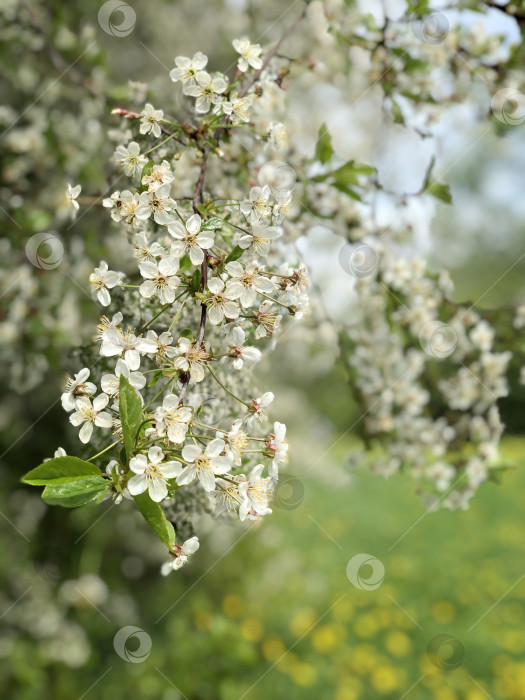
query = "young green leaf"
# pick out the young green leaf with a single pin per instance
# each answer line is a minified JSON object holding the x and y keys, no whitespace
{"x":195,"y":281}
{"x":156,"y":519}
{"x":130,"y":409}
{"x":235,"y":254}
{"x":60,"y":470}
{"x":440,"y":191}
{"x":74,"y":493}
{"x":323,"y":148}
{"x":211,"y":224}
{"x":155,"y":378}
{"x":186,"y":333}
{"x":146,"y":170}
{"x":349,"y":173}
{"x":185,"y":264}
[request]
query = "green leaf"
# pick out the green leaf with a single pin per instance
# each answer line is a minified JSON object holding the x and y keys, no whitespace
{"x":74,"y":493}
{"x":185,"y":264}
{"x":146,"y":170}
{"x":156,"y":519}
{"x":155,"y":378}
{"x":130,"y":408}
{"x":60,"y":470}
{"x":195,"y":281}
{"x":419,"y":7}
{"x":497,"y":471}
{"x":397,"y":113}
{"x":211,"y":224}
{"x":440,"y":191}
{"x":347,"y":190}
{"x":235,"y":254}
{"x":186,"y":333}
{"x":349,"y":173}
{"x":323,"y":148}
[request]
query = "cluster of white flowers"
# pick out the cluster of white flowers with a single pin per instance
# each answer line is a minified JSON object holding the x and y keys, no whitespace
{"x":427,"y":373}
{"x":208,"y":290}
{"x":40,"y":312}
{"x":428,"y":389}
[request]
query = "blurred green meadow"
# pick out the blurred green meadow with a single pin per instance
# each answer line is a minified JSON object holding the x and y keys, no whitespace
{"x":269,"y":610}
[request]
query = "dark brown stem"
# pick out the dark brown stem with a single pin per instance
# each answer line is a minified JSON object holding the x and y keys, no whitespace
{"x":197,"y":199}
{"x":198,"y":193}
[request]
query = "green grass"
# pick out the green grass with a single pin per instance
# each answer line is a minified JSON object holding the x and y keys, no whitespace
{"x":276,"y":616}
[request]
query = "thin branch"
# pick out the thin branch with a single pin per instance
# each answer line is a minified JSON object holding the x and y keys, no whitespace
{"x":273,"y":52}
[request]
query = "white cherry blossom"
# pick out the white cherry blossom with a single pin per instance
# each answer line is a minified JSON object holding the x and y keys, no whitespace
{"x":88,"y":414}
{"x":207,"y":89}
{"x":246,"y":282}
{"x":152,"y":474}
{"x":190,"y":358}
{"x":159,"y":175}
{"x":181,"y":556}
{"x":256,"y":493}
{"x":157,"y":203}
{"x":130,"y":158}
{"x":259,"y":239}
{"x":250,"y":54}
{"x":190,"y":239}
{"x":276,"y":447}
{"x":257,"y":207}
{"x":127,"y":345}
{"x":102,"y":279}
{"x":78,"y":386}
{"x":257,"y":409}
{"x":204,"y":465}
{"x":150,"y":120}
{"x":238,"y":353}
{"x":219,"y":306}
{"x":187,"y":68}
{"x":110,"y":383}
{"x":173,"y":420}
{"x":71,"y":195}
{"x":161,"y":279}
